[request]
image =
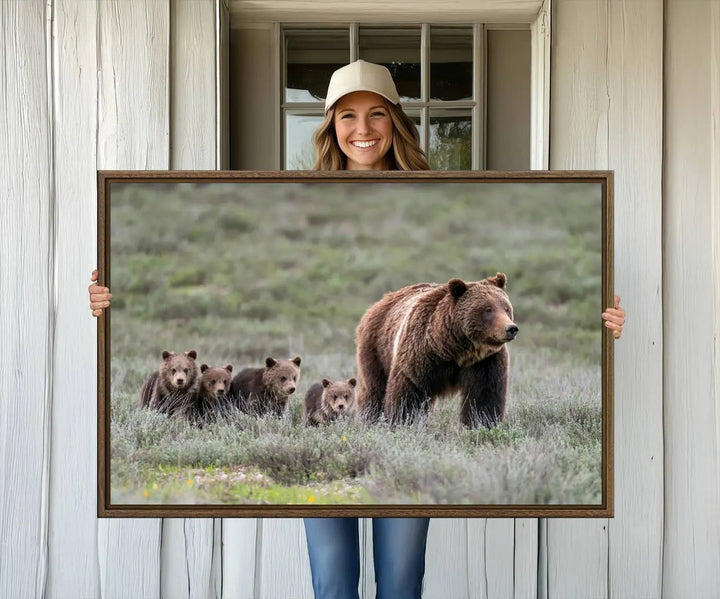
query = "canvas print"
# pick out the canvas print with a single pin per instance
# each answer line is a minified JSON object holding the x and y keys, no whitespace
{"x":289,"y":345}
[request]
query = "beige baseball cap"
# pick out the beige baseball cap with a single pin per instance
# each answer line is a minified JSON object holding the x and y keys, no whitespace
{"x":361,"y":76}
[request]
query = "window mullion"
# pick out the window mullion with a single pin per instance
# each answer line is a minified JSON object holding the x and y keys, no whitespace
{"x":479,"y":112}
{"x":354,"y":41}
{"x":425,"y":85}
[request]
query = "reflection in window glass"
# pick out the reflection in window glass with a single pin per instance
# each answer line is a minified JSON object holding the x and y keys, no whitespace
{"x":451,"y":63}
{"x":399,"y":50}
{"x":311,"y":58}
{"x":450,"y":140}
{"x":299,"y":151}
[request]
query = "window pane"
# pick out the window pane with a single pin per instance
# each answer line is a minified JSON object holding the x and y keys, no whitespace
{"x":415,"y":117}
{"x":399,"y":50}
{"x":299,"y":151}
{"x":311,"y":57}
{"x":450,"y":140}
{"x":451,"y":63}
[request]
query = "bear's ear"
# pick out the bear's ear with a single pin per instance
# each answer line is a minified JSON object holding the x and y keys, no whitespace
{"x":352,"y":382}
{"x":204,"y":367}
{"x":457,"y":287}
{"x":192,"y":354}
{"x":229,"y":368}
{"x":296,"y":359}
{"x":270,"y":362}
{"x":166,"y":354}
{"x":499,"y":280}
{"x":325,"y":383}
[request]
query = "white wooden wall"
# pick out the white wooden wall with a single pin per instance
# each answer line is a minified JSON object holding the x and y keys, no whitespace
{"x":635,"y":87}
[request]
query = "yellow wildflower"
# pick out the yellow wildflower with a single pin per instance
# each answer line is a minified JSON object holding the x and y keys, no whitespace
{"x":344,"y":438}
{"x":146,"y":493}
{"x":190,"y":481}
{"x":311,"y":498}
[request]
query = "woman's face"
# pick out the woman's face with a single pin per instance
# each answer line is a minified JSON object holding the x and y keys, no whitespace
{"x":364,"y":130}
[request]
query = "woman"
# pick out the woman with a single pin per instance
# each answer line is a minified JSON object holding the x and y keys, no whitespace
{"x":365,"y":129}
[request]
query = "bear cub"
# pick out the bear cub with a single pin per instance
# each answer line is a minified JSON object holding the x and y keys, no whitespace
{"x":325,"y":401}
{"x":174,"y":385}
{"x":213,"y":396}
{"x":259,"y":391}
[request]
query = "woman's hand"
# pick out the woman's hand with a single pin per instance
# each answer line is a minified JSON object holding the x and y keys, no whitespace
{"x":615,"y":318}
{"x":99,"y":296}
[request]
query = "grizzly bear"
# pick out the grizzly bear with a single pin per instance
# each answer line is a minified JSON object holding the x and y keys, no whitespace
{"x":428,"y":340}
{"x":325,"y":401}
{"x":258,"y":391}
{"x":172,"y":387}
{"x":213,"y":395}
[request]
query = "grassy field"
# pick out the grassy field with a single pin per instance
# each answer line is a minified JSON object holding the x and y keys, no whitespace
{"x":240,"y":272}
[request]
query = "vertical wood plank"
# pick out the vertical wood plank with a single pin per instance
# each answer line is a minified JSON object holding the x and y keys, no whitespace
{"x":186,"y":558}
{"x":129,"y":557}
{"x":525,"y":582}
{"x":447,"y":559}
{"x":635,"y":38}
{"x":193,"y":85}
{"x":584,"y":572}
{"x":133,"y":133}
{"x":187,"y":544}
{"x":222,"y":33}
{"x":540,"y":89}
{"x":690,"y":288}
{"x":73,"y":541}
{"x":26,"y":297}
{"x":239,"y":557}
{"x":607,"y":101}
{"x":578,"y":140}
{"x":284,"y":569}
{"x":490,"y":550}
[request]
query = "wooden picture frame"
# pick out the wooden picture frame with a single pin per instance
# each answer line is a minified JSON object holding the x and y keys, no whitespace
{"x":243,"y":266}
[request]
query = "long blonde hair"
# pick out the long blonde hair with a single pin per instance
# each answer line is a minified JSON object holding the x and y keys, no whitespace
{"x":406,"y":154}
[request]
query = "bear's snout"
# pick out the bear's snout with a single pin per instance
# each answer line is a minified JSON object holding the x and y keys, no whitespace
{"x":511,"y":331}
{"x":179,"y":381}
{"x":291,"y":390}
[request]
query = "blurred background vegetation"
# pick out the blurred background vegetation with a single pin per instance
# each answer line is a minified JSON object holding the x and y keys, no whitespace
{"x":241,"y":271}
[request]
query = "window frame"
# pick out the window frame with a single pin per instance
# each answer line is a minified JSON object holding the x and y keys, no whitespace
{"x":423,"y":107}
{"x":540,"y":71}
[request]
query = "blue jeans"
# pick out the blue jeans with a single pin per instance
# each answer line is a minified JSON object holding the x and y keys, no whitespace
{"x":398,"y":553}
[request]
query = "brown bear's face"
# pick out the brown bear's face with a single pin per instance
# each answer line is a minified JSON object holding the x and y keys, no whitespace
{"x":281,"y":377}
{"x":179,"y":370}
{"x":215,"y":382}
{"x":483,"y":312}
{"x":338,"y":396}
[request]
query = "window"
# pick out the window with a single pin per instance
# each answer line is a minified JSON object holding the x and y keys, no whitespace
{"x":467,"y":87}
{"x":435,"y":69}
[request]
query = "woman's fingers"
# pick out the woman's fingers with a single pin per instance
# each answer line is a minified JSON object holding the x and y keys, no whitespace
{"x":99,"y":296}
{"x":614,"y":318}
